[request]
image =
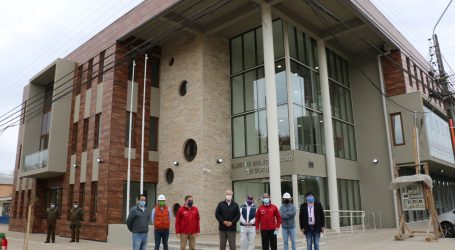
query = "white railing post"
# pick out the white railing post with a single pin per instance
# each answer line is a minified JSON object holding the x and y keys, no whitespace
{"x":352,"y":224}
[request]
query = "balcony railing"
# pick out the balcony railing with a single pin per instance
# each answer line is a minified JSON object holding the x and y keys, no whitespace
{"x":35,"y":161}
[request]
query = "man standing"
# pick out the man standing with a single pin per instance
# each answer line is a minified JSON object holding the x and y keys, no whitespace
{"x":161,"y":218}
{"x":312,"y":221}
{"x":247,"y":227}
{"x":77,"y":215}
{"x":227,"y":213}
{"x":287,"y":211}
{"x":138,"y":223}
{"x":268,"y":221}
{"x":187,"y":225}
{"x":52,"y":213}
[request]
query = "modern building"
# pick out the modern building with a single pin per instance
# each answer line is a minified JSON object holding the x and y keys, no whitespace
{"x":258,"y":96}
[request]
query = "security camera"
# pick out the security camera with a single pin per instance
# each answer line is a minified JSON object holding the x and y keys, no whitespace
{"x":99,"y":160}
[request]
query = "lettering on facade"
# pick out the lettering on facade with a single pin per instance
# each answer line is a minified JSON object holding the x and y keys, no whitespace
{"x":258,"y":166}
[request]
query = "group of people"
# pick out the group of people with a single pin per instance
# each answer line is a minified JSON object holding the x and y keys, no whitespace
{"x":265,"y":220}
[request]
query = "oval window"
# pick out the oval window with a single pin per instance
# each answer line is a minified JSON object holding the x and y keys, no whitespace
{"x":171,"y":61}
{"x":183,"y":88}
{"x":190,"y":150}
{"x":169,"y":175}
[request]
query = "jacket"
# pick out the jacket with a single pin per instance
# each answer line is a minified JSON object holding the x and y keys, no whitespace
{"x":251,"y":216}
{"x":138,"y":220}
{"x":319,"y":218}
{"x":161,"y":217}
{"x":77,"y":215}
{"x":52,"y":214}
{"x":287,"y":212}
{"x":187,"y":220}
{"x":268,"y":218}
{"x":225,"y":212}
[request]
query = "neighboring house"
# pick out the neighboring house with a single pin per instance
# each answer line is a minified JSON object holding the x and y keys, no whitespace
{"x":6,"y":190}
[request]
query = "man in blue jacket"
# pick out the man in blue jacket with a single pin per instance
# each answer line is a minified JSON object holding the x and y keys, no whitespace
{"x":247,"y":224}
{"x":138,"y":223}
{"x":288,"y":211}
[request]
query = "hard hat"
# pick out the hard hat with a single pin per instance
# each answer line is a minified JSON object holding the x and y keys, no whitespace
{"x":161,"y":197}
{"x":286,"y":196}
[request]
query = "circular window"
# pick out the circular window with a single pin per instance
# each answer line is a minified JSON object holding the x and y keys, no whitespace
{"x":183,"y":88}
{"x":169,"y":175}
{"x":175,"y":209}
{"x":190,"y":150}
{"x":171,"y":61}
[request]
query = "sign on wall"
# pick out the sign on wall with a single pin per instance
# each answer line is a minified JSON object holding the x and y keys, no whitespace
{"x":412,"y":197}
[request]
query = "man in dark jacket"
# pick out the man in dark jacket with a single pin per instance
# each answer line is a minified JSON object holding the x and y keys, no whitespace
{"x":52,"y":213}
{"x":312,"y":221}
{"x":227,"y":213}
{"x":77,"y":215}
{"x":138,"y":223}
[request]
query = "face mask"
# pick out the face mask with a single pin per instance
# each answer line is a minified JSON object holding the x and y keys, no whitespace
{"x":190,"y":203}
{"x":228,"y":197}
{"x":310,"y":199}
{"x":266,"y":201}
{"x":75,"y":205}
{"x":286,"y":201}
{"x":142,"y":203}
{"x":161,"y":203}
{"x":52,"y":205}
{"x":249,"y":203}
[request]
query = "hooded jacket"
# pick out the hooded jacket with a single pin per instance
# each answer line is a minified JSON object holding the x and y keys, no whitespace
{"x":187,"y":220}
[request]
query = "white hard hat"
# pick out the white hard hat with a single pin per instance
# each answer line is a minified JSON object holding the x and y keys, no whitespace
{"x":161,"y":197}
{"x":286,"y":196}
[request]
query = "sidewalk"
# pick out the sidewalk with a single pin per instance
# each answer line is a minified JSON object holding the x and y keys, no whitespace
{"x":370,"y":240}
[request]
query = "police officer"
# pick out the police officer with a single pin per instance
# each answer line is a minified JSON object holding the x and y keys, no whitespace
{"x":77,"y":215}
{"x":52,"y":213}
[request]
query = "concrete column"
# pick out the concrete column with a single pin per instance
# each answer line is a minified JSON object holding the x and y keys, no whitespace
{"x":328,"y":138}
{"x":295,"y":196}
{"x":272,"y":116}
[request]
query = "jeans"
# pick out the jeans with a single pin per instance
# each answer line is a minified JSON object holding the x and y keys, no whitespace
{"x":312,"y":237}
{"x":247,"y":234}
{"x":139,"y":241}
{"x":227,"y":236}
{"x":164,"y":235}
{"x":268,"y":239}
{"x":289,"y":232}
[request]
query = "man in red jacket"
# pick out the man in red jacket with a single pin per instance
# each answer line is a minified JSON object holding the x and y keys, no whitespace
{"x":187,"y":224}
{"x":268,"y":221}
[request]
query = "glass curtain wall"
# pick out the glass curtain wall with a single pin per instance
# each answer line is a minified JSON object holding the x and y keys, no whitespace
{"x":248,"y":101}
{"x":340,"y":98}
{"x":306,"y":92}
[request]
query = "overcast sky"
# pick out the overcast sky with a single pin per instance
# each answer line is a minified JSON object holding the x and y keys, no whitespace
{"x":34,"y":33}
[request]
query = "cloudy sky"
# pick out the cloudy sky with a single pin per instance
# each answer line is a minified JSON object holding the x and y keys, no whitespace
{"x":35,"y":33}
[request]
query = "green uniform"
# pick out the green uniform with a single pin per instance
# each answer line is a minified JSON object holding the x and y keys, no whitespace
{"x":52,"y":214}
{"x":77,"y":215}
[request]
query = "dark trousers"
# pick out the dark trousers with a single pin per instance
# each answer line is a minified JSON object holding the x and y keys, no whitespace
{"x":51,"y":231}
{"x":161,"y":235}
{"x":268,"y":239}
{"x":75,"y":232}
{"x":227,"y":236}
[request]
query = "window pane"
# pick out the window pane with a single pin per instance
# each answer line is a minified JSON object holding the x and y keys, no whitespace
{"x":278,"y":39}
{"x":263,"y":131}
{"x":237,"y":94}
{"x":252,"y":140}
{"x":347,"y":96}
{"x":341,"y":94}
{"x":301,"y":48}
{"x":250,"y":93}
{"x":153,"y":144}
{"x":397,"y":129}
{"x":249,"y":55}
{"x":352,"y":144}
{"x":297,"y":86}
{"x":238,"y":127}
{"x":347,"y":154}
{"x":236,"y":55}
{"x":283,"y":128}
{"x":292,"y":42}
{"x":281,"y":88}
{"x":259,"y":47}
{"x":314,"y":51}
{"x":260,"y":86}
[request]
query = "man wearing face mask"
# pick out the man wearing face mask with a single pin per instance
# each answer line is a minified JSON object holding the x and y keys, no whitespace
{"x":268,"y":221}
{"x":287,"y":211}
{"x":312,"y":221}
{"x":52,"y":213}
{"x":161,"y":218}
{"x":77,"y":215}
{"x":247,"y":224}
{"x":227,"y":213}
{"x":138,"y":223}
{"x":187,"y":225}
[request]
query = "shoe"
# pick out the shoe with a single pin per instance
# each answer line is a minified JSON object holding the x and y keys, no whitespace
{"x":46,"y":241}
{"x":77,"y":240}
{"x":71,"y":240}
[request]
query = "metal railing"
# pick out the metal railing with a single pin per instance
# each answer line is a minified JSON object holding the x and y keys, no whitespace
{"x":351,"y":221}
{"x":373,"y":220}
{"x":35,"y":161}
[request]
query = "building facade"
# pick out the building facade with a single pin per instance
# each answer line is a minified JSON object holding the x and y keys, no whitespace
{"x":343,"y":82}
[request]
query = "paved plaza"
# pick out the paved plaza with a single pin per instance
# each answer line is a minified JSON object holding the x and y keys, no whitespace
{"x":370,"y":240}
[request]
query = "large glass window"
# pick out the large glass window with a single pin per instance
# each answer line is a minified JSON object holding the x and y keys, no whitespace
{"x":397,"y":129}
{"x":249,"y":121}
{"x":348,"y":199}
{"x":149,"y":191}
{"x":340,"y":98}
